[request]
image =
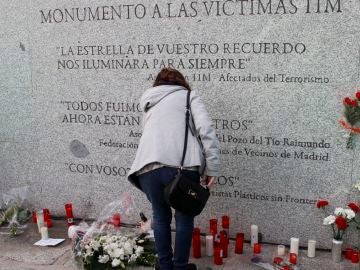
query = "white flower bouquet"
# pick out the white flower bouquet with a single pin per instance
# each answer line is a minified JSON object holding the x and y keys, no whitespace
{"x":116,"y":240}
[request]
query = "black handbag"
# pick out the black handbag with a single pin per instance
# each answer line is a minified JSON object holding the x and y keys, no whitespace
{"x":182,"y":193}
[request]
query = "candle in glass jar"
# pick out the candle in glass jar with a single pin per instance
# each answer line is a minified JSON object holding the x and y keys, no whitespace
{"x":40,"y":219}
{"x":348,"y":253}
{"x":213,"y":226}
{"x":239,"y":244}
{"x":209,"y":245}
{"x":278,"y":260}
{"x":196,"y":243}
{"x":69,"y":214}
{"x":254,"y":235}
{"x":47,"y":218}
{"x":116,"y":220}
{"x":355,"y":257}
{"x":294,"y":245}
{"x":311,"y":248}
{"x":224,"y":242}
{"x":217,"y":256}
{"x":281,"y":249}
{"x":34,"y":217}
{"x":225,"y":223}
{"x":44,"y":233}
{"x":257,"y":248}
{"x":293,"y":258}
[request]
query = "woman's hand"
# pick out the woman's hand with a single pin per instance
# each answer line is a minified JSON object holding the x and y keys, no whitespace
{"x":209,"y":180}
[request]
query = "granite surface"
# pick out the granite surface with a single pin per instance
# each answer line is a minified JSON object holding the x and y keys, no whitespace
{"x":70,"y":124}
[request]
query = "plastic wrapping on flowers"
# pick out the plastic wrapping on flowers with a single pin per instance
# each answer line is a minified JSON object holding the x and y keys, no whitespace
{"x":120,"y":237}
{"x":14,"y":211}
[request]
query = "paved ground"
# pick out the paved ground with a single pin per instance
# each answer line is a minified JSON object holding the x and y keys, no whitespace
{"x":20,"y":254}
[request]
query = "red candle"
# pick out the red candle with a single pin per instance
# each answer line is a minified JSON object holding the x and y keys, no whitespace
{"x":217,"y":256}
{"x":239,"y":244}
{"x":355,"y":257}
{"x":224,"y":242}
{"x":277,"y":260}
{"x":69,"y":214}
{"x":34,"y":219}
{"x":286,"y":267}
{"x":213,"y":226}
{"x":225,"y":222}
{"x":116,"y":220}
{"x":47,"y":218}
{"x":348,"y":253}
{"x":196,"y":243}
{"x":257,"y":248}
{"x":293,"y":258}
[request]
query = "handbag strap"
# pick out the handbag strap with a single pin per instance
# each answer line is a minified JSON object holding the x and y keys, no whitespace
{"x":187,"y":116}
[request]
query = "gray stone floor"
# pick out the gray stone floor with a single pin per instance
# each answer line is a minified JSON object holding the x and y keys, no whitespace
{"x":20,"y":254}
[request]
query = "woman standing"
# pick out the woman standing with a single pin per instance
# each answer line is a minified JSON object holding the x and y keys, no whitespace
{"x":159,"y":155}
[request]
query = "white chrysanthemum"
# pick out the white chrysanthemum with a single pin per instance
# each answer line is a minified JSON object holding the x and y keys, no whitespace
{"x":339,"y":211}
{"x":128,"y":248}
{"x":350,"y":214}
{"x":104,"y":258}
{"x":139,"y":250}
{"x":95,"y":245}
{"x":329,"y":220}
{"x":118,"y":252}
{"x":357,"y":186}
{"x":115,"y":262}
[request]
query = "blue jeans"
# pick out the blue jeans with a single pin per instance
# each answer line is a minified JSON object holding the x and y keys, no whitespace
{"x":153,"y":184}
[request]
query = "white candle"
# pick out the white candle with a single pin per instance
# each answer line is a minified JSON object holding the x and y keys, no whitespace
{"x":209,"y":245}
{"x":40,"y":219}
{"x":294,"y":245}
{"x":311,"y":248}
{"x":281,"y":250}
{"x":44,"y":233}
{"x":254,"y":235}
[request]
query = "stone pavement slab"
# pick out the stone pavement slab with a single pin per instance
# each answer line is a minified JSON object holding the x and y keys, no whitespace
{"x":19,"y":253}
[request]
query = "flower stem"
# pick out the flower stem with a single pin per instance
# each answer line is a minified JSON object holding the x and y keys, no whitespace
{"x":350,"y":141}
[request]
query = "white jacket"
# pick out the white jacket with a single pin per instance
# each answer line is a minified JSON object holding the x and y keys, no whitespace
{"x":163,"y":133}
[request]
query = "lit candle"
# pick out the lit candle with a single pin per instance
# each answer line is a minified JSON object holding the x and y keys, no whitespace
{"x":224,"y":242}
{"x":293,"y":258}
{"x":294,"y":245}
{"x":257,"y":248}
{"x":225,"y":223}
{"x":44,"y":233}
{"x":281,"y":249}
{"x":209,"y":245}
{"x":69,"y":214}
{"x":239,"y":244}
{"x":213,"y":226}
{"x":196,"y":243}
{"x":217,"y":256}
{"x":254,"y":234}
{"x":40,"y":219}
{"x":311,"y":248}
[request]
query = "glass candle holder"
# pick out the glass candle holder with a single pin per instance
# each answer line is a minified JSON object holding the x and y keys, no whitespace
{"x":225,"y":223}
{"x":196,"y":243}
{"x":257,"y":248}
{"x":69,"y":214}
{"x":293,"y":258}
{"x":278,"y":260}
{"x":116,"y":220}
{"x":224,"y":243}
{"x":213,"y":226}
{"x":34,"y":216}
{"x":239,"y":243}
{"x":355,"y":257}
{"x":47,"y":218}
{"x":348,"y":253}
{"x":217,"y":256}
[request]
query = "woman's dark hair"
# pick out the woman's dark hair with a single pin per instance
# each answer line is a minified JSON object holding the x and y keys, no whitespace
{"x":171,"y":76}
